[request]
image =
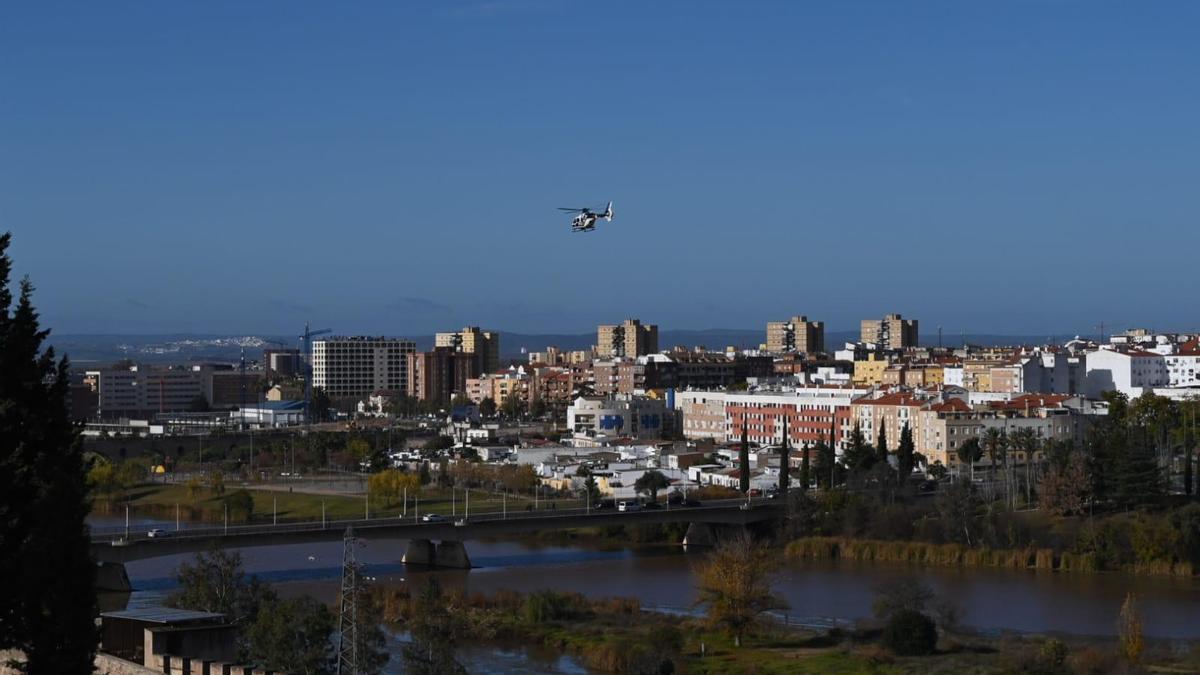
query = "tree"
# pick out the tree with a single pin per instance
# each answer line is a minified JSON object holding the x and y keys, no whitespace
{"x":735,"y":586}
{"x":650,"y":483}
{"x":904,"y":455}
{"x":292,"y":636}
{"x":538,"y":408}
{"x":241,"y":505}
{"x":744,"y":460}
{"x":199,"y":404}
{"x":461,"y":401}
{"x":955,"y":507}
{"x":514,"y":406}
{"x":49,"y":598}
{"x":785,"y":461}
{"x":1187,"y":471}
{"x":216,"y":582}
{"x":969,"y":452}
{"x":1065,"y":488}
{"x":881,"y":444}
{"x":859,"y":456}
{"x":487,"y":407}
{"x":321,"y":403}
{"x":439,"y":443}
{"x":1129,"y":627}
{"x":804,"y":470}
{"x":937,"y":470}
{"x":826,"y":463}
{"x":435,"y":634}
{"x":216,"y":482}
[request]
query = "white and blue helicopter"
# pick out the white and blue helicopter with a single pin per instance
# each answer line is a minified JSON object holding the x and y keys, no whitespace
{"x":585,"y":218}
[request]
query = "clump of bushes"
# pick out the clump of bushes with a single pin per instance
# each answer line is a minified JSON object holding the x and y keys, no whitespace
{"x":910,"y":633}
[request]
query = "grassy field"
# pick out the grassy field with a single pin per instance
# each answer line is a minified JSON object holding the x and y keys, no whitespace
{"x":161,"y":501}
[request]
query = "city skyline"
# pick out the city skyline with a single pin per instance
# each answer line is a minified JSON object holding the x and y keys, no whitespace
{"x":224,"y":168}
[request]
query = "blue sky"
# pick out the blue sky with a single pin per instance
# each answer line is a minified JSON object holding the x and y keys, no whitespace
{"x":394,"y":167}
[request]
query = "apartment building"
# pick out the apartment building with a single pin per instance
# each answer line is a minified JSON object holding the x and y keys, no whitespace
{"x":282,"y":362}
{"x":439,"y":374}
{"x":620,"y":416}
{"x":891,"y":332}
{"x":500,"y":386}
{"x":629,"y":338}
{"x":1132,"y":372}
{"x":356,"y":366}
{"x":483,"y":345}
{"x":812,"y":412}
{"x":797,"y":334}
{"x":142,"y":391}
{"x":941,"y":423}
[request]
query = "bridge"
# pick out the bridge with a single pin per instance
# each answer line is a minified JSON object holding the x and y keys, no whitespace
{"x":112,"y":548}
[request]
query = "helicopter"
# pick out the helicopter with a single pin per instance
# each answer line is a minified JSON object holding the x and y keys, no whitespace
{"x":585,"y":218}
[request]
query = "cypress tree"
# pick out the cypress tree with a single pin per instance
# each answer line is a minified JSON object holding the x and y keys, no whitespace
{"x":904,"y":454}
{"x":825,"y":461}
{"x":744,"y":460}
{"x":859,"y":456}
{"x":48,"y":602}
{"x":804,"y":477}
{"x":1187,"y":471}
{"x":784,"y":451}
{"x":881,"y":447}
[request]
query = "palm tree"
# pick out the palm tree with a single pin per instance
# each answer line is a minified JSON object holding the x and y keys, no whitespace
{"x":1027,"y":442}
{"x":995,"y":442}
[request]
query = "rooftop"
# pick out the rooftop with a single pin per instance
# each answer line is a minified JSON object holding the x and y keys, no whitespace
{"x":167,"y":616}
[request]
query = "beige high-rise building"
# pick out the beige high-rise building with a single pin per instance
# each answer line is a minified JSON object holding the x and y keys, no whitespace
{"x":797,"y":334}
{"x":629,"y":338}
{"x":485,"y":345}
{"x":891,"y":332}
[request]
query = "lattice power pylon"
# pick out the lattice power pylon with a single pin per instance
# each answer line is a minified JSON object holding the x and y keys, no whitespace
{"x":347,"y":663}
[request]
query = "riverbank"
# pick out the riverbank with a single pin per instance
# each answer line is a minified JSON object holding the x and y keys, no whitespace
{"x":957,"y":555}
{"x":619,"y":635}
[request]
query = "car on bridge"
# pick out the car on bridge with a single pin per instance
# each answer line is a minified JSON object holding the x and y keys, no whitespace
{"x":158,"y":533}
{"x":626,"y":507}
{"x":433,"y":518}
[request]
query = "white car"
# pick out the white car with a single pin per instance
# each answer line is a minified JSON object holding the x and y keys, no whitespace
{"x":627,"y":507}
{"x":158,"y":533}
{"x":433,"y":518}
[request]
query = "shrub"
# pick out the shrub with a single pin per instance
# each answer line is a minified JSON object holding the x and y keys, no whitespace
{"x":1092,"y":661}
{"x":552,"y":606}
{"x":910,"y":633}
{"x":1052,"y":657}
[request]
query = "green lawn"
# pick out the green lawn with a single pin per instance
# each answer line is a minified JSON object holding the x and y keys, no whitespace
{"x":160,"y":501}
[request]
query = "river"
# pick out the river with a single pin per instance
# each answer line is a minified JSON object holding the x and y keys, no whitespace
{"x":662,"y":576}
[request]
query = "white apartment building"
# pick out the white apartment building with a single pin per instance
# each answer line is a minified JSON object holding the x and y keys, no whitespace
{"x":1132,"y":372}
{"x":358,"y":366}
{"x":143,"y":390}
{"x":1183,"y":366}
{"x":622,"y":415}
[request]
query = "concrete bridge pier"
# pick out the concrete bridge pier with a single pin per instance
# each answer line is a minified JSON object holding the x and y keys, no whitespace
{"x":446,"y":553}
{"x":419,"y":552}
{"x":452,"y":554}
{"x":710,"y":534}
{"x":111,"y":577}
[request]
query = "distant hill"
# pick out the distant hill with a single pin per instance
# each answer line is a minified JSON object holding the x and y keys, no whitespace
{"x":91,"y":350}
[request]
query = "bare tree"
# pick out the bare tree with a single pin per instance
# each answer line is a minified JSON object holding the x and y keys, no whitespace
{"x":735,"y":586}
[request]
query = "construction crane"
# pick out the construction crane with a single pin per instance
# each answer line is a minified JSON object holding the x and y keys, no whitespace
{"x":306,"y":345}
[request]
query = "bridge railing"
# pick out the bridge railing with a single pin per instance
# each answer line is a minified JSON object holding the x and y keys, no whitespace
{"x":120,"y":535}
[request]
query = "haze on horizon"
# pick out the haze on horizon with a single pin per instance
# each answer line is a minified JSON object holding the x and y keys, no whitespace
{"x":1011,"y":168}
